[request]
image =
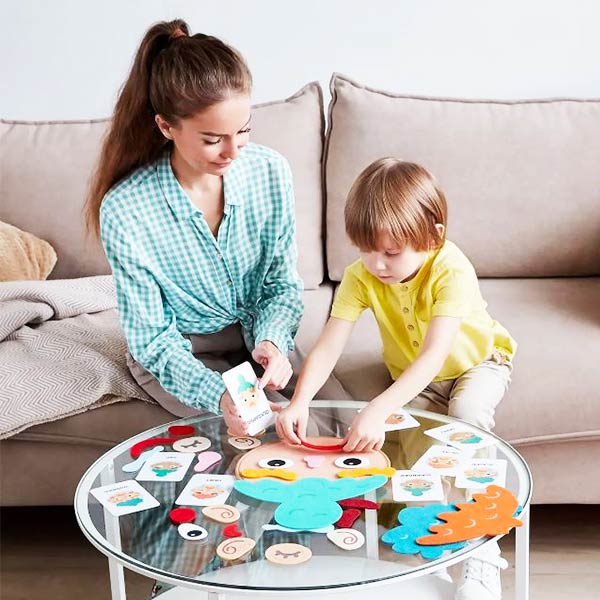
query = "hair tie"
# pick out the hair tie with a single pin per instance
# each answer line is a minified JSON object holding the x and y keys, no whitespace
{"x":177,"y":34}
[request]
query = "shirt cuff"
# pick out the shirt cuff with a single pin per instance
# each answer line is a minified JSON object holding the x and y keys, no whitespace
{"x":209,"y":397}
{"x":283,"y":340}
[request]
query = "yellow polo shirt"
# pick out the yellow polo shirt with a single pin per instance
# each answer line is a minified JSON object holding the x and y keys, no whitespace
{"x":446,"y":285}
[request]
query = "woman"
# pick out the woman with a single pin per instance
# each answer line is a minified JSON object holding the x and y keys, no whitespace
{"x":197,"y":224}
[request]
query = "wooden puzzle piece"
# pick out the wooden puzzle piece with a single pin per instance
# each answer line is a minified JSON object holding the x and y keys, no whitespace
{"x":346,"y":539}
{"x":235,"y":548}
{"x":288,"y":554}
{"x":192,"y":444}
{"x":192,"y":532}
{"x":221,"y":513}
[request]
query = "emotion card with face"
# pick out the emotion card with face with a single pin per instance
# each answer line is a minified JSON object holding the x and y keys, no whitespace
{"x":443,"y":460}
{"x":166,"y":466}
{"x":417,"y":486}
{"x":477,"y":474}
{"x":206,"y":490}
{"x":242,"y":385}
{"x":124,"y":497}
{"x":400,"y":419}
{"x":461,"y":436}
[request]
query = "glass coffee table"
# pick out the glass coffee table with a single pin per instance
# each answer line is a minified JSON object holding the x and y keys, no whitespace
{"x":148,"y":543}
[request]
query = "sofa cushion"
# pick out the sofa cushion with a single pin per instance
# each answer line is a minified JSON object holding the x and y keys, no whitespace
{"x":23,"y":255}
{"x":45,"y":169}
{"x":521,"y":178}
{"x":553,"y":392}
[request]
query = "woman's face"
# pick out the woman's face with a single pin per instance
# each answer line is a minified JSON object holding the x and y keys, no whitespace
{"x":210,"y":140}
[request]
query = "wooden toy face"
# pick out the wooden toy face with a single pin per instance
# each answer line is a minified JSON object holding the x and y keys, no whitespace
{"x":309,"y":463}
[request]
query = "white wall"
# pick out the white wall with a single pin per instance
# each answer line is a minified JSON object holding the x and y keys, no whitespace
{"x":65,"y":59}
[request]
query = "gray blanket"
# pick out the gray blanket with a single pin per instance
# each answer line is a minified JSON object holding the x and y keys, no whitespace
{"x":62,"y":351}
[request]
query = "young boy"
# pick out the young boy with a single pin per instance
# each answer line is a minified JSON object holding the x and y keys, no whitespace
{"x":440,"y":345}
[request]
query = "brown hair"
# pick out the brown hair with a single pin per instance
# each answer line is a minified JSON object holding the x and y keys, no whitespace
{"x":174,"y":75}
{"x":399,"y":198}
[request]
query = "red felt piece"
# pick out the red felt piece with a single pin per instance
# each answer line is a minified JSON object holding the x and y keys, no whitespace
{"x":330,"y":448}
{"x":182,"y":430}
{"x":232,"y":531}
{"x":182,"y":515}
{"x":138,"y":448}
{"x":358,"y":503}
{"x":348,"y":517}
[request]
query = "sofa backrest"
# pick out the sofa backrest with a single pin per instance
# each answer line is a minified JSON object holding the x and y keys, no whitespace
{"x":522,"y":179}
{"x":45,"y":169}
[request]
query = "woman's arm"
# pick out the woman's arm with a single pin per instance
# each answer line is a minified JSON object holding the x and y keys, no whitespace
{"x":315,"y":371}
{"x":150,"y":326}
{"x":368,"y":428}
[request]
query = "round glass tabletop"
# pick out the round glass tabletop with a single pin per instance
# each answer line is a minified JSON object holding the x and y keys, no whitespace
{"x":147,"y":541}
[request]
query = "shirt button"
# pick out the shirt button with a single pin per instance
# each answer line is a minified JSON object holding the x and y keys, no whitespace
{"x":411,"y":327}
{"x":229,"y":282}
{"x":416,"y":344}
{"x":404,"y":288}
{"x":405,"y":310}
{"x":220,"y":256}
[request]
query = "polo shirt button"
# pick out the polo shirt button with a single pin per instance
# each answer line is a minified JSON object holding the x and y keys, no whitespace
{"x":416,"y":344}
{"x":220,"y":256}
{"x":405,"y":310}
{"x":411,"y":327}
{"x":405,"y":287}
{"x":229,"y":282}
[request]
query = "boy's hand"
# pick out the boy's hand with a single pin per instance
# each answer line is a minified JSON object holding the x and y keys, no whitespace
{"x":367,"y":432}
{"x":278,"y":369}
{"x":291,"y":423}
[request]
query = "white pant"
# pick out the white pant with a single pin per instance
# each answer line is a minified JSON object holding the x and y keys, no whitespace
{"x":473,"y":396}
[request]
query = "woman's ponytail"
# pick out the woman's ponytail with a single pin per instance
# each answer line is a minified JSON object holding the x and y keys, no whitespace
{"x":173,"y":75}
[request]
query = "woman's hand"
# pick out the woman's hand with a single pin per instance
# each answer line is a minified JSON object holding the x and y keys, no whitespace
{"x":367,"y":432}
{"x":278,"y":369}
{"x":291,"y":423}
{"x":232,"y":416}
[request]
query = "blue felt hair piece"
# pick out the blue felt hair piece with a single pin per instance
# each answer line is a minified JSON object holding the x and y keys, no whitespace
{"x":310,"y":503}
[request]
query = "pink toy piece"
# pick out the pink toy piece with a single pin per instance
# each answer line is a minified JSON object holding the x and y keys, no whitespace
{"x":206,"y":460}
{"x":314,"y":461}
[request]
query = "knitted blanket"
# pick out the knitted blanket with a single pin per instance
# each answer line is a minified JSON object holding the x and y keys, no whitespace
{"x":62,"y":351}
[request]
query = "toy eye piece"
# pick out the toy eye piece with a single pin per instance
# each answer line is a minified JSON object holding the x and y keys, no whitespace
{"x":190,"y":531}
{"x":276,"y":463}
{"x":351,"y":462}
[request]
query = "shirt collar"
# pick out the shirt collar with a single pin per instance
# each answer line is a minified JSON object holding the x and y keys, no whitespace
{"x":179,"y":201}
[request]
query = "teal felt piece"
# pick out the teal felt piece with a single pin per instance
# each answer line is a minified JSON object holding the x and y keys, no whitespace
{"x":414,"y":523}
{"x":309,"y":503}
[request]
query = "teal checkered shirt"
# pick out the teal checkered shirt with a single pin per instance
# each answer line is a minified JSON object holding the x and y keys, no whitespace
{"x":173,"y":277}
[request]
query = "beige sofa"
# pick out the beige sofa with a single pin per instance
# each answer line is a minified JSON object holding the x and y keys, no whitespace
{"x":523,"y":184}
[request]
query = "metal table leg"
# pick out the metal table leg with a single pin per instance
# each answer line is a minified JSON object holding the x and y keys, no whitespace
{"x":522,"y":558}
{"x":113,"y":535}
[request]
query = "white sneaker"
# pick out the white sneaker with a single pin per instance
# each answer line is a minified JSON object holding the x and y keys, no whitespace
{"x":480,"y":577}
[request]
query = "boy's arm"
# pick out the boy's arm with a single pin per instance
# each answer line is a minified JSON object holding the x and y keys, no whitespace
{"x":368,"y":426}
{"x":315,"y":371}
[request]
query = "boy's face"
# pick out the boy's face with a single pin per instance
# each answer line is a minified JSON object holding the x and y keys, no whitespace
{"x":391,"y":263}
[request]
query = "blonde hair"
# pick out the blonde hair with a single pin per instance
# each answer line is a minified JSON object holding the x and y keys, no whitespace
{"x":398,"y":198}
